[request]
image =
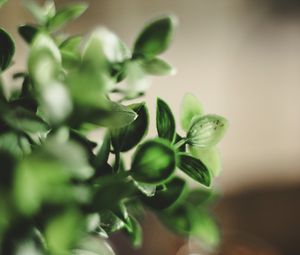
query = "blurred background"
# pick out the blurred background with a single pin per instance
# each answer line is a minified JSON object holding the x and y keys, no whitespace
{"x":241,"y":58}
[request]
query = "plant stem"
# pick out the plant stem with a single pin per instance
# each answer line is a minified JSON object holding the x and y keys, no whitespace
{"x":180,"y":143}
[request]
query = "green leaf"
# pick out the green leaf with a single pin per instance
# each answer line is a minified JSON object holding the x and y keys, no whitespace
{"x":2,"y":2}
{"x":135,"y":234}
{"x":157,"y":66}
{"x":194,"y":168}
{"x":205,"y":227}
{"x":71,"y":43}
{"x":66,"y":15}
{"x":175,"y":191}
{"x":110,"y":222}
{"x":44,"y":60}
{"x":104,"y":46}
{"x":206,"y":131}
{"x":155,"y":37}
{"x":114,"y":116}
{"x":7,"y":49}
{"x":55,"y":103}
{"x":147,"y":189}
{"x":103,"y":151}
{"x":69,"y":49}
{"x":188,"y":220}
{"x":210,"y":157}
{"x":25,"y":121}
{"x":41,"y":13}
{"x":93,"y":246}
{"x":154,"y":162}
{"x":165,"y":122}
{"x":190,"y":107}
{"x":179,"y":219}
{"x":63,"y":231}
{"x":124,"y":139}
{"x":118,"y":189}
{"x":28,"y":32}
{"x":202,"y":197}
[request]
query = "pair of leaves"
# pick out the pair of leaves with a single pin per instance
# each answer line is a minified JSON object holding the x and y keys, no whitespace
{"x":152,"y":41}
{"x":47,"y":15}
{"x":166,"y":128}
{"x":66,"y":15}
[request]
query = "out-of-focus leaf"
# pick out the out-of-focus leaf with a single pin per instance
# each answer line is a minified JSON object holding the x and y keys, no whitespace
{"x":103,"y":151}
{"x":118,"y":189}
{"x":2,"y":2}
{"x":106,"y":44}
{"x":155,"y":37}
{"x":210,"y":157}
{"x":40,"y":13}
{"x":71,"y":43}
{"x":69,"y":49}
{"x":28,"y":32}
{"x":137,"y":81}
{"x":202,"y":197}
{"x":206,"y":131}
{"x":44,"y":60}
{"x":157,"y":66}
{"x":25,"y":121}
{"x":62,"y":232}
{"x":165,"y":122}
{"x":52,"y":166}
{"x":93,"y":246}
{"x":66,"y":15}
{"x":124,"y":139}
{"x":7,"y":49}
{"x":175,"y":191}
{"x":135,"y":233}
{"x":110,"y":222}
{"x":115,"y":115}
{"x":188,"y":220}
{"x":14,"y":144}
{"x":190,"y":107}
{"x":194,"y":168}
{"x":55,"y":103}
{"x":153,"y":162}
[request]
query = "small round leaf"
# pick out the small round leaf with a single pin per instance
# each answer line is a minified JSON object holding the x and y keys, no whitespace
{"x":154,"y":162}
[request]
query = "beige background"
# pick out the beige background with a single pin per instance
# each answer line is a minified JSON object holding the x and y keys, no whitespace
{"x":241,"y":58}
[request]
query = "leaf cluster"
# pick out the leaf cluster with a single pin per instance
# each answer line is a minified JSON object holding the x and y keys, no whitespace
{"x":59,"y":189}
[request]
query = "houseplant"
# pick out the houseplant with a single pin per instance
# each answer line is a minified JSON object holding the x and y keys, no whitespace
{"x":61,"y":192}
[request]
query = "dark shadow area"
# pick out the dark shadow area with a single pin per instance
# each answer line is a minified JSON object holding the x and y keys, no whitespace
{"x":271,"y":214}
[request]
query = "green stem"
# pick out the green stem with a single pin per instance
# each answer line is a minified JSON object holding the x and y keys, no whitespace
{"x":180,"y":143}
